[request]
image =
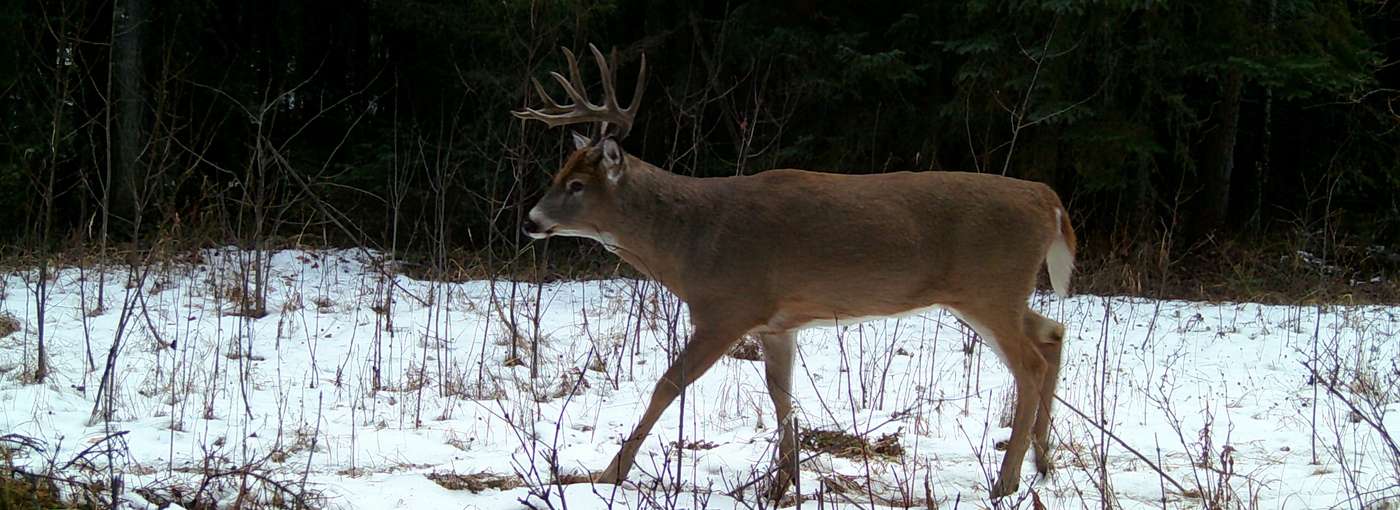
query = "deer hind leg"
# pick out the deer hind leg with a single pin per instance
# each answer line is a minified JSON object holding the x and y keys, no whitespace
{"x":778,"y":351}
{"x":706,"y":346}
{"x":1049,"y":337}
{"x":1002,"y":327}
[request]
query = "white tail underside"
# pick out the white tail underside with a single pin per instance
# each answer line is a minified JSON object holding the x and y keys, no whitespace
{"x":1059,"y":261}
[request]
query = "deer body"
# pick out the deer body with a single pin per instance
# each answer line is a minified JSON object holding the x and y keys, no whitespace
{"x":789,"y":247}
{"x":782,"y":250}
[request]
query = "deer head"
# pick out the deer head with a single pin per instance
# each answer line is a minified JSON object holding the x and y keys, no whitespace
{"x":577,"y":201}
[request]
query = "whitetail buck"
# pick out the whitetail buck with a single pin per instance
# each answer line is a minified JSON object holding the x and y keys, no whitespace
{"x":782,"y":250}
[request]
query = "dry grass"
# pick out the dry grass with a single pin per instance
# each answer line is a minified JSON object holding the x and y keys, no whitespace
{"x":1266,"y":269}
{"x":847,"y":445}
{"x":22,"y":490}
{"x":748,"y":348}
{"x":1273,"y":270}
{"x":475,"y":482}
{"x":9,"y":324}
{"x":694,"y":444}
{"x":19,"y":491}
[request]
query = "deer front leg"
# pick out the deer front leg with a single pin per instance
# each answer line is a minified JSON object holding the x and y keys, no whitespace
{"x":706,"y":346}
{"x":778,"y":350}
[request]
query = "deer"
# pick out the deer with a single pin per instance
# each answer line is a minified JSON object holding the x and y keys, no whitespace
{"x":781,"y":250}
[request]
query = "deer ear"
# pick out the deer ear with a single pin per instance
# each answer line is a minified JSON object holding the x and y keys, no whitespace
{"x":580,"y":141}
{"x":612,"y":158}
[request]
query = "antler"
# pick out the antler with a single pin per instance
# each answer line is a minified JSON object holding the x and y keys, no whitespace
{"x":582,"y":110}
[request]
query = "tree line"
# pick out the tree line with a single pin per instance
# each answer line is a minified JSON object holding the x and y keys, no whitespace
{"x":386,"y":123}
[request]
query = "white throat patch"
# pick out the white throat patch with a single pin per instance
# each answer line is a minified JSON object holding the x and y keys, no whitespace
{"x":608,"y":240}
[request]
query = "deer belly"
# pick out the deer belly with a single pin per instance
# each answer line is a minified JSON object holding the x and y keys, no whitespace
{"x":810,"y":320}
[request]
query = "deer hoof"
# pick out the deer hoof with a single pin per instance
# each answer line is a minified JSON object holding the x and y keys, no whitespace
{"x":1044,"y":464}
{"x":1004,"y":487}
{"x":776,"y":494}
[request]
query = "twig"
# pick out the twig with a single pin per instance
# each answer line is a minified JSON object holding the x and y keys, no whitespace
{"x":1020,"y":115}
{"x":83,"y":454}
{"x":1124,"y":444}
{"x":1355,"y":411}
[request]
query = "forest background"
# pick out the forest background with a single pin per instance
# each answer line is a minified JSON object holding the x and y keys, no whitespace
{"x":1206,"y":149}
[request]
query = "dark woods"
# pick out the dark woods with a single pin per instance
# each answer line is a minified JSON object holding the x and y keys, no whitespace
{"x":1173,"y":129}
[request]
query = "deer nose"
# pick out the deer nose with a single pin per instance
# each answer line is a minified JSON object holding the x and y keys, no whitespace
{"x":530,"y":227}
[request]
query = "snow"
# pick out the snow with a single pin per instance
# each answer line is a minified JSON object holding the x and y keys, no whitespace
{"x":201,"y":390}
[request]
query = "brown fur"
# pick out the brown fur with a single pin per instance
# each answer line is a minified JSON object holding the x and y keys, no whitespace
{"x":773,"y":252}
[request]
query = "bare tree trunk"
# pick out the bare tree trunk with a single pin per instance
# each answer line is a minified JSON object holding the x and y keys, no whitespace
{"x":128,"y":18}
{"x":45,"y":233}
{"x":41,"y":242}
{"x":41,"y":363}
{"x":1218,"y":158}
{"x":1260,"y":179}
{"x":729,"y":118}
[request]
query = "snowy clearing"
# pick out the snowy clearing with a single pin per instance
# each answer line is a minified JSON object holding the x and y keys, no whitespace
{"x":366,"y":392}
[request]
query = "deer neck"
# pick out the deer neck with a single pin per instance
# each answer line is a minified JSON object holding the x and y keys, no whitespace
{"x":653,"y":207}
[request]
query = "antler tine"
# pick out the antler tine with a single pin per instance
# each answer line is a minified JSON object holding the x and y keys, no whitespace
{"x":640,"y":88}
{"x":625,"y":115}
{"x":629,"y":114}
{"x":609,"y":113}
{"x":553,"y":105}
{"x":555,"y":114}
{"x":609,"y":93}
{"x":545,"y":114}
{"x":608,"y":76}
{"x":574,"y":87}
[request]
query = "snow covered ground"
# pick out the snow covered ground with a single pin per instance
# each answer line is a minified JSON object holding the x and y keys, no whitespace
{"x":365,"y":404}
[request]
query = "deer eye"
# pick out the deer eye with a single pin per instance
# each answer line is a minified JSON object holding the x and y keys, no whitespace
{"x":575,"y":186}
